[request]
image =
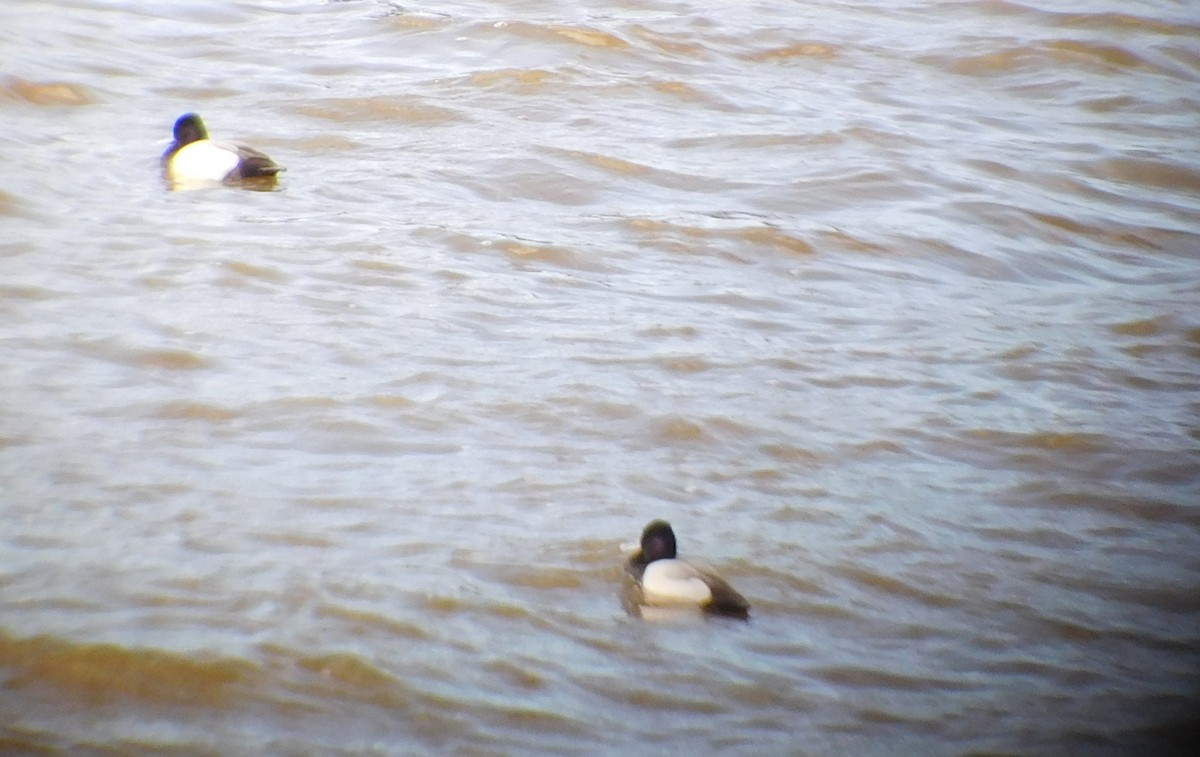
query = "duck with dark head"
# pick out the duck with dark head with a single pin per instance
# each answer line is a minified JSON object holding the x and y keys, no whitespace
{"x":193,"y":158}
{"x":658,"y":582}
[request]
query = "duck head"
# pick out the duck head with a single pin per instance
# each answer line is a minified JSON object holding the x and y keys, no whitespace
{"x":189,"y":128}
{"x":658,"y":541}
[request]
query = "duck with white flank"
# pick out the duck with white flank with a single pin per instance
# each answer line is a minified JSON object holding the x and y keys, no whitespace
{"x":193,"y":158}
{"x":658,"y":582}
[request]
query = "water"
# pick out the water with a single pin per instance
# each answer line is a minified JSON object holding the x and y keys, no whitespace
{"x":890,"y":308}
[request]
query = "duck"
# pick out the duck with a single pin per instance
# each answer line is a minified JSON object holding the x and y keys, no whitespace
{"x":194,"y":158}
{"x":657,"y":580}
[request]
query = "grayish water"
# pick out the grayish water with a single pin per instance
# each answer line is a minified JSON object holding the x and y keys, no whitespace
{"x":891,"y":308}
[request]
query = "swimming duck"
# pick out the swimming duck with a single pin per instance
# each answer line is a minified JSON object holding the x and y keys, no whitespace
{"x":657,"y":579}
{"x":194,"y":158}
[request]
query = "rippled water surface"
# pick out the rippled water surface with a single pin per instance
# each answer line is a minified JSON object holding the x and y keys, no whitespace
{"x":892,"y":308}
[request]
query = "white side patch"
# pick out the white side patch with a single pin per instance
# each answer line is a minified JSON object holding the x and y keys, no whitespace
{"x":202,"y":161}
{"x":668,"y":582}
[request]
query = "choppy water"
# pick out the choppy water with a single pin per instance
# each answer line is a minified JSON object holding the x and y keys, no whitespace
{"x":891,"y":308}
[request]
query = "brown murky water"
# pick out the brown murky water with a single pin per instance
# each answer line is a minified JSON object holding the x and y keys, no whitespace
{"x":891,"y":308}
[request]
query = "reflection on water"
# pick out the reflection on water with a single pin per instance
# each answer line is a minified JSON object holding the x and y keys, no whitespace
{"x":889,"y":308}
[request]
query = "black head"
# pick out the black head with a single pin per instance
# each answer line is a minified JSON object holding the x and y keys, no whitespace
{"x":189,"y":128}
{"x":658,"y":541}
